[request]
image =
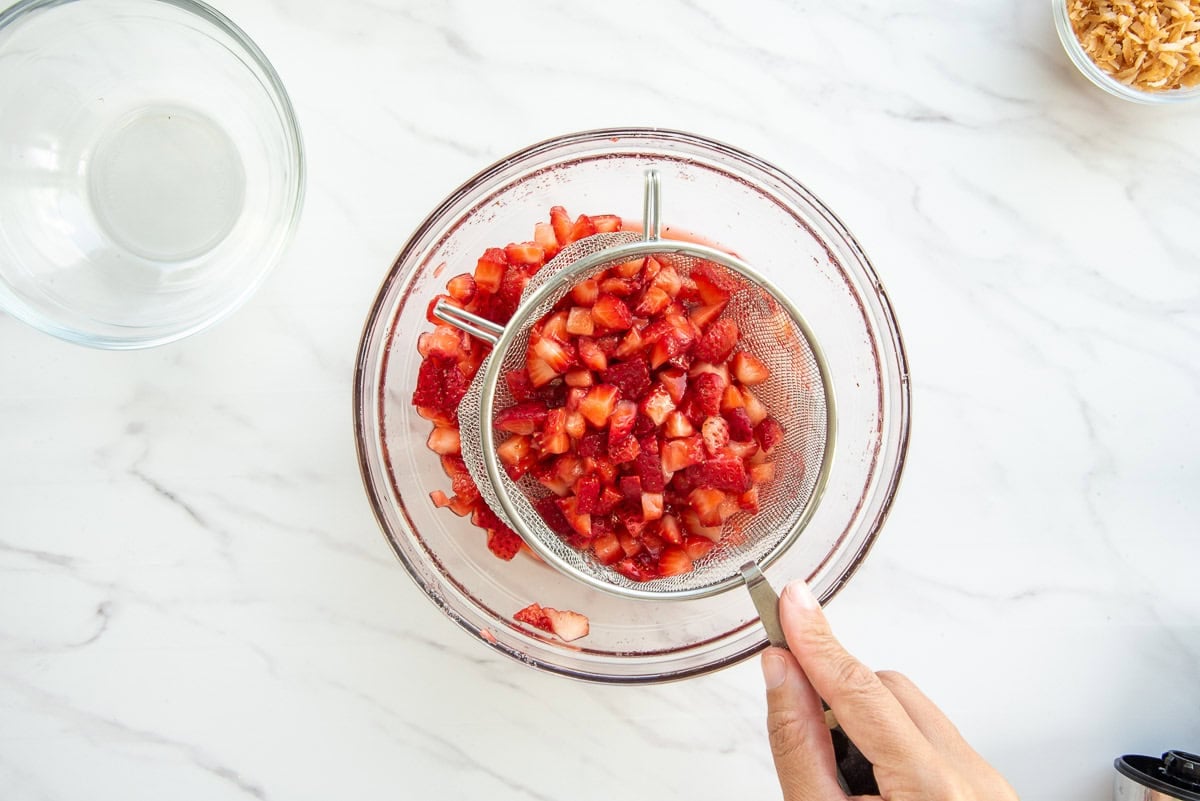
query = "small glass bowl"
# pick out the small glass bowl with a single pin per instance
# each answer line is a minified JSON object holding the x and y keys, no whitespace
{"x":730,"y":198}
{"x":153,"y":168}
{"x":1092,"y":71}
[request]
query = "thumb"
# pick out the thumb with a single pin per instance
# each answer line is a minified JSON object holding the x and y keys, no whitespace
{"x":800,"y":742}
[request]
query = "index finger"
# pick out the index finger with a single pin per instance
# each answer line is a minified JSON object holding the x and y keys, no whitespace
{"x":869,"y":713}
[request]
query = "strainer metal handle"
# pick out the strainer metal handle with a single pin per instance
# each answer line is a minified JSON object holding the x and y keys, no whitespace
{"x":766,"y":602}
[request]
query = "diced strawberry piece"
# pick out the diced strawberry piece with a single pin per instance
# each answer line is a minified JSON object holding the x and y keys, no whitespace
{"x":599,"y":403}
{"x":431,"y":389}
{"x":544,"y":237}
{"x":534,"y":615}
{"x":649,"y":465}
{"x":748,"y":500}
{"x":592,"y":357}
{"x":579,"y":321}
{"x":577,"y":520}
{"x":439,"y":498}
{"x":707,"y":503}
{"x":569,"y":468}
{"x":720,"y":474}
{"x":652,"y":505}
{"x":707,"y":389}
{"x":636,"y":569}
{"x":643,"y":426}
{"x":769,"y":434}
{"x":554,"y":326}
{"x":568,"y":626}
{"x":754,"y":408}
{"x":631,"y":544}
{"x":715,"y":432}
{"x":657,"y":404}
{"x":628,"y":269}
{"x":670,"y":530}
{"x":620,"y":287}
{"x":691,"y":523}
{"x":667,"y":279}
{"x":703,"y":316}
{"x":762,"y":472}
{"x":436,"y":416}
{"x":461,"y":287}
{"x":653,"y":301}
{"x":607,"y":549}
{"x":504,"y":542}
{"x":583,"y":228}
{"x":525,"y":253}
{"x":674,"y":562}
{"x":579,"y":377}
{"x":540,"y":373}
{"x":732,"y":399}
{"x":653,"y":543}
{"x":515,"y":450}
{"x":547,"y":509}
{"x":592,"y":445}
{"x":587,"y":493}
{"x":576,"y":425}
{"x":625,"y":450}
{"x":631,"y":378}
{"x":444,"y":341}
{"x":631,"y":487}
{"x":560,"y":221}
{"x":680,"y":453}
{"x":490,"y":269}
{"x":444,"y":441}
{"x":629,"y":346}
{"x":677,"y":425}
{"x":748,"y":369}
{"x":697,"y":547}
{"x":675,"y":381}
{"x":606,"y":223}
{"x":554,"y":437}
{"x":611,"y":313}
{"x":717,"y":342}
{"x":553,"y":353}
{"x":574,"y":399}
{"x":670,"y":346}
{"x":621,"y":421}
{"x":519,"y":385}
{"x":523,"y":418}
{"x":585,"y":292}
{"x":714,"y":283}
{"x":742,"y":450}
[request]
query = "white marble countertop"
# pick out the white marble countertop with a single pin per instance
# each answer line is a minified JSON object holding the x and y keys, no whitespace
{"x":195,"y":599}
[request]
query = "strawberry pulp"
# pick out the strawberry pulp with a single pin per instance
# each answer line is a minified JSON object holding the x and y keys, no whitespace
{"x":634,"y":408}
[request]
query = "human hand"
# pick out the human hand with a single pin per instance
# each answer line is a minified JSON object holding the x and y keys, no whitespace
{"x":916,"y":752}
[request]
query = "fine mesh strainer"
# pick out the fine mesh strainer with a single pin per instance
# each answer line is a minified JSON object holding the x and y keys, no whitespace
{"x":798,"y":394}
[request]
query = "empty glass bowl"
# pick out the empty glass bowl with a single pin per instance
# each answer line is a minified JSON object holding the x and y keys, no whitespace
{"x":731,"y":199}
{"x":153,"y":169}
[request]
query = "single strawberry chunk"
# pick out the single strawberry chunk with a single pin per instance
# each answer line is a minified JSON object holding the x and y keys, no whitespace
{"x":523,"y":418}
{"x":631,"y":377}
{"x":585,"y":292}
{"x":631,"y":488}
{"x":726,"y":474}
{"x":568,"y":626}
{"x":554,"y":353}
{"x":697,"y":547}
{"x":713,"y":283}
{"x":740,"y":428}
{"x":503,"y":542}
{"x":583,"y":228}
{"x":607,"y":549}
{"x":706,"y":390}
{"x":592,"y":357}
{"x":444,"y":441}
{"x":748,"y":369}
{"x":554,"y":327}
{"x":625,"y":450}
{"x":748,"y":500}
{"x":552,"y":516}
{"x":643,"y":426}
{"x":715,"y":432}
{"x":440,"y":499}
{"x":598,"y":405}
{"x":490,"y":269}
{"x":620,"y":287}
{"x":540,"y":373}
{"x":670,"y":346}
{"x":560,"y":221}
{"x":769,"y":434}
{"x":652,"y":505}
{"x":587,"y":493}
{"x":580,"y":522}
{"x":703,"y":316}
{"x":431,"y":384}
{"x":525,"y":253}
{"x":649,"y":465}
{"x":444,"y":341}
{"x":717,"y":342}
{"x":670,"y":530}
{"x":534,"y":615}
{"x":741,"y":450}
{"x":667,"y":279}
{"x":653,"y":301}
{"x":579,"y":321}
{"x":678,"y":454}
{"x":592,"y":445}
{"x":709,"y":505}
{"x":554,"y":437}
{"x":620,"y":425}
{"x":610,"y":312}
{"x":691,"y":523}
{"x":606,"y":223}
{"x":732,"y":399}
{"x":631,"y":545}
{"x":544,"y":237}
{"x":657,"y":404}
{"x":462,"y":287}
{"x":674,"y":381}
{"x":674,"y":561}
{"x":637,"y":568}
{"x":754,"y":408}
{"x":653,"y":543}
{"x":609,"y":498}
{"x":579,"y":377}
{"x":628,"y":346}
{"x":677,"y":425}
{"x":762,"y":473}
{"x":516,"y":452}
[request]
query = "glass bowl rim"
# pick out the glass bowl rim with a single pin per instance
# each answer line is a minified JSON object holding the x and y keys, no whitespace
{"x":282,"y":233}
{"x":886,"y":484}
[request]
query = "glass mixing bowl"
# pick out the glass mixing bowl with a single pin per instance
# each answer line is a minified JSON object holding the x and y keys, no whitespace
{"x":153,"y":169}
{"x":730,"y":198}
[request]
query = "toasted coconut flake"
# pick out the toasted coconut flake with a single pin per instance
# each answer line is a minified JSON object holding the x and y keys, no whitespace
{"x":1151,"y":45}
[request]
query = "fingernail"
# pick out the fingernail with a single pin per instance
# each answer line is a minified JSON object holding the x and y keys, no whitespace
{"x":774,"y":670}
{"x":798,"y":593}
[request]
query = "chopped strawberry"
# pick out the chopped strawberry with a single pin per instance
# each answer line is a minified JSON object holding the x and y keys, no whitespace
{"x":539,"y":371}
{"x":592,"y":357}
{"x":490,"y":269}
{"x":631,"y":544}
{"x":439,"y":498}
{"x":703,"y":316}
{"x":636,"y":569}
{"x":461,"y":287}
{"x":740,"y":427}
{"x":697,"y":547}
{"x":675,"y":381}
{"x":674,"y":561}
{"x":515,"y":452}
{"x":748,"y":369}
{"x":579,"y":321}
{"x":667,"y":279}
{"x":657,"y":404}
{"x":587,"y":492}
{"x":769,"y":434}
{"x":630,"y":345}
{"x":581,"y":522}
{"x":606,"y":223}
{"x":722,"y":474}
{"x":732,"y":399}
{"x":560,"y":221}
{"x":503,"y":542}
{"x":611,"y":313}
{"x":576,"y":425}
{"x":444,"y":341}
{"x":649,"y":465}
{"x":599,"y":403}
{"x":544,"y":237}
{"x":444,"y":441}
{"x":748,"y":500}
{"x":670,"y":530}
{"x":652,"y":505}
{"x":754,"y":408}
{"x":579,"y":377}
{"x":653,"y":301}
{"x":670,"y":346}
{"x":708,"y":503}
{"x":621,"y":422}
{"x":620,"y":287}
{"x":554,"y":437}
{"x":547,"y":509}
{"x":534,"y":615}
{"x":715,"y":432}
{"x":680,"y":453}
{"x":585,"y":292}
{"x":717,"y":342}
{"x":677,"y":425}
{"x":592,"y":445}
{"x":609,"y":498}
{"x":525,"y":253}
{"x":762,"y":473}
{"x":556,"y":355}
{"x":707,"y":389}
{"x":607,"y":549}
{"x":631,"y":488}
{"x":568,"y":626}
{"x":632,"y":377}
{"x":519,"y":385}
{"x":625,"y":450}
{"x":523,"y":418}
